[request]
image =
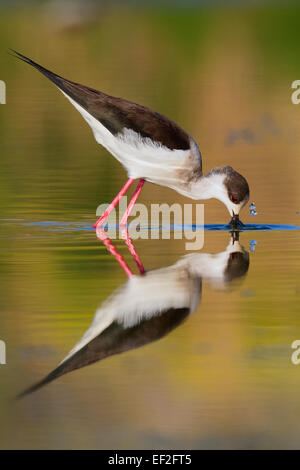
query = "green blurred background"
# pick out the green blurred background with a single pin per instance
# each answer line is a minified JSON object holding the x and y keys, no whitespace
{"x":223,"y":71}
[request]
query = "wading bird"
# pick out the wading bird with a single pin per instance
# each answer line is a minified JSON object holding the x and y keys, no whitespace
{"x":151,"y":147}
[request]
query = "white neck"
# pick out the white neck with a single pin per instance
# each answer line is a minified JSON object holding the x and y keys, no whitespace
{"x":212,"y":186}
{"x":209,"y":186}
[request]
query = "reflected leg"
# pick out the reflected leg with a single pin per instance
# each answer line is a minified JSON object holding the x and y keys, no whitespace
{"x":112,"y":249}
{"x":131,"y":247}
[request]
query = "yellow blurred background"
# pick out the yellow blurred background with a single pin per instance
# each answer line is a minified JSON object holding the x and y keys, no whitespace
{"x":224,"y":379}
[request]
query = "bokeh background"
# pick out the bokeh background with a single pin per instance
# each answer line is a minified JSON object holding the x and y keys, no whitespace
{"x":223,"y":71}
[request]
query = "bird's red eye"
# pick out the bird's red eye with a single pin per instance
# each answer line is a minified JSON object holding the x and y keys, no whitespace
{"x":234,"y":199}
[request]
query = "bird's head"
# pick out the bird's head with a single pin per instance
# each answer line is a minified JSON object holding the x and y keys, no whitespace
{"x":231,"y":188}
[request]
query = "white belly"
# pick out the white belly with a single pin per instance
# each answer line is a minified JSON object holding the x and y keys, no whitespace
{"x":141,"y":157}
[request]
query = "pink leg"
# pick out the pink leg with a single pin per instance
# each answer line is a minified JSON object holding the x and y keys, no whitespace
{"x":131,"y":247}
{"x":124,"y":229}
{"x":132,"y":202}
{"x":112,"y":249}
{"x":114,"y":202}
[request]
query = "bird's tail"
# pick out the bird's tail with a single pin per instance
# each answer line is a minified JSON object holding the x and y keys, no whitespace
{"x":57,"y":79}
{"x":79,"y":93}
{"x":57,"y":372}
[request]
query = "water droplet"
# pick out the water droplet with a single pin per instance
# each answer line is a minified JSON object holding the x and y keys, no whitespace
{"x":252,"y":209}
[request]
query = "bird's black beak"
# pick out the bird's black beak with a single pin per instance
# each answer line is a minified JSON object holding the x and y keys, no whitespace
{"x":235,"y":236}
{"x":235,"y":221}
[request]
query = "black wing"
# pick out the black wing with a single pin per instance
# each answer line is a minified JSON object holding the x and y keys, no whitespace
{"x":116,"y":113}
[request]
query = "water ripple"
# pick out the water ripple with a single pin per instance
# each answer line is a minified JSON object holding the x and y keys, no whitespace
{"x":64,"y":226}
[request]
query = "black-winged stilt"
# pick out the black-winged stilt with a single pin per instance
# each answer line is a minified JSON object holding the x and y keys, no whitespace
{"x":151,"y":147}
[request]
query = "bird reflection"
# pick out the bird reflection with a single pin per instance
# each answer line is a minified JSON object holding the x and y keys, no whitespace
{"x":150,"y":305}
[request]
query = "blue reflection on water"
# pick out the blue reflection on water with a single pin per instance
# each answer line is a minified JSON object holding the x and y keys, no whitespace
{"x":207,"y":227}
